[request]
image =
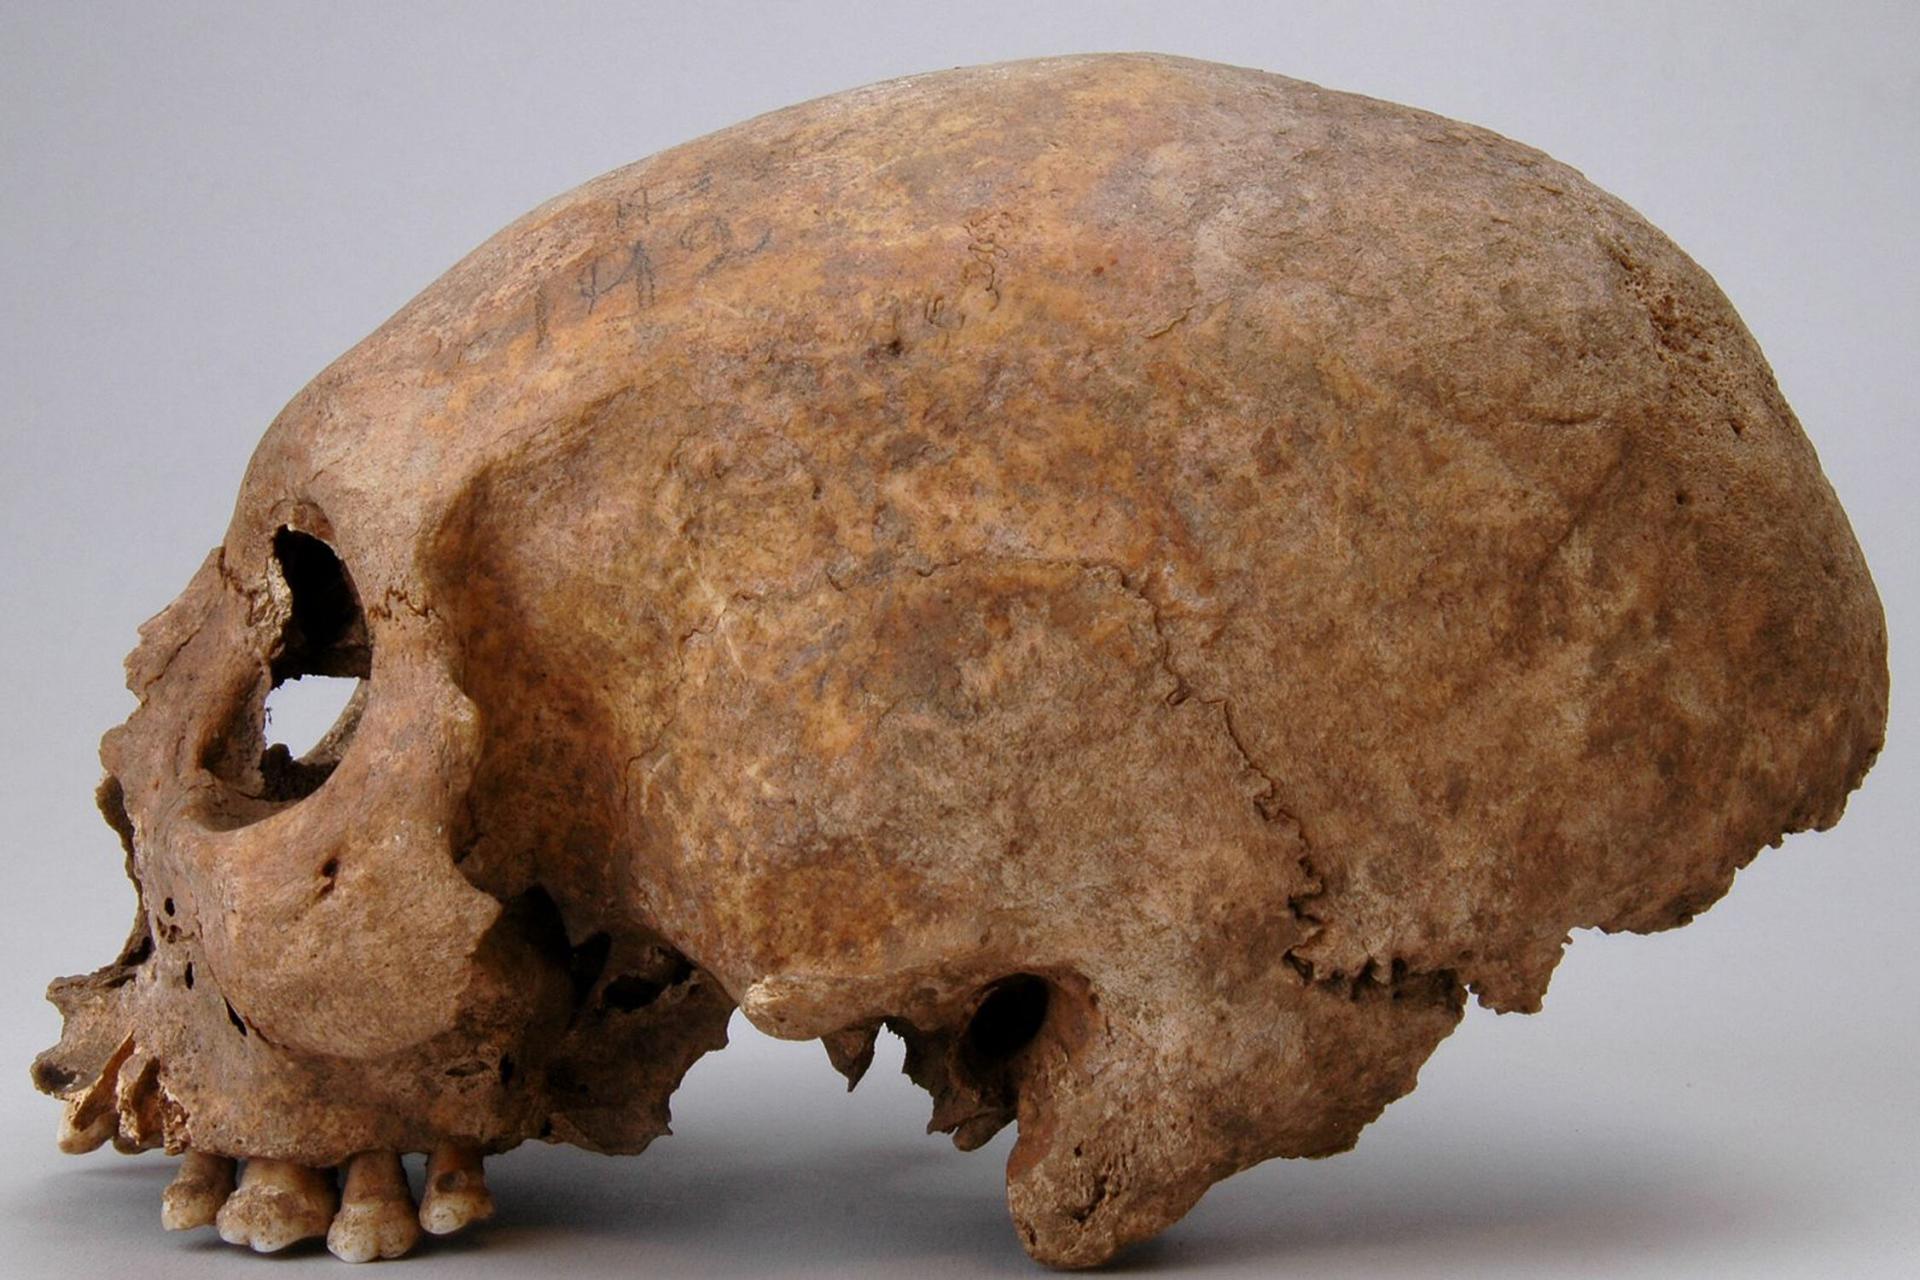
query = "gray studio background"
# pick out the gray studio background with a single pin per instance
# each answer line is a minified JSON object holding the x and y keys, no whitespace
{"x":201,"y":205}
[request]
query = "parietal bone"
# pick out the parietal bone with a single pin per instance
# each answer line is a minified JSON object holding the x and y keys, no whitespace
{"x":1150,"y":579}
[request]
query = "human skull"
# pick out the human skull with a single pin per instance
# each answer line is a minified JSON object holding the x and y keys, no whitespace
{"x":1152,"y":580}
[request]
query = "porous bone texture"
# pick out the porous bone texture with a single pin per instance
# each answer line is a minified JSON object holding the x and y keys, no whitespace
{"x":1154,"y":580}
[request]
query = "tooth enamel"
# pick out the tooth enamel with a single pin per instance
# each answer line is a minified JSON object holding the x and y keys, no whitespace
{"x":377,"y":1218}
{"x":456,"y":1192}
{"x":194,"y":1197}
{"x":277,"y":1204}
{"x":91,"y":1117}
{"x":82,"y":1131}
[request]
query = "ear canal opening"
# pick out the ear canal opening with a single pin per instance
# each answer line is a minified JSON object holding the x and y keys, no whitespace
{"x":1006,"y":1020}
{"x":974,"y":1069}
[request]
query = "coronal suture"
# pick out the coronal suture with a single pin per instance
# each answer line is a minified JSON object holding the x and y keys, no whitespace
{"x":1150,"y":580}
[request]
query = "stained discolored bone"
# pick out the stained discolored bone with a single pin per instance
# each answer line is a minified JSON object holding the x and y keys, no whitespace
{"x":377,"y":1217}
{"x":850,"y":1050}
{"x":455,"y":1195}
{"x":139,"y":1103}
{"x":198,"y":1190}
{"x":278,"y":1203}
{"x":1153,"y":580}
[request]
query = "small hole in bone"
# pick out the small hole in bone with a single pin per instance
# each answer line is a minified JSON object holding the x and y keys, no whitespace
{"x":49,"y":1077}
{"x":586,"y":962}
{"x":506,"y":1070}
{"x":630,"y":991}
{"x":233,"y":1016}
{"x":1007,"y":1019}
{"x":187,"y":977}
{"x":137,"y":951}
{"x":167,"y":906}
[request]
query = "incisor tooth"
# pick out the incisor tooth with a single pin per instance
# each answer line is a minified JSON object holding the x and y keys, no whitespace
{"x":90,"y":1118}
{"x":377,"y":1218}
{"x":84,"y":1129}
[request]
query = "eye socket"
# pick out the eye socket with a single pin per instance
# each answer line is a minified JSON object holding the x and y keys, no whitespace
{"x":326,"y":630}
{"x":320,"y":667}
{"x":317,"y":669}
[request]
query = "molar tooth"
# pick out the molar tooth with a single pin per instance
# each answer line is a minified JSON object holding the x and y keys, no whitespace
{"x":194,"y":1197}
{"x":377,"y":1218}
{"x":456,"y":1192}
{"x":277,"y":1204}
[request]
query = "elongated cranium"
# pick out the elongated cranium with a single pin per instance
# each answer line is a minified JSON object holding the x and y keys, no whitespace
{"x":1150,"y":579}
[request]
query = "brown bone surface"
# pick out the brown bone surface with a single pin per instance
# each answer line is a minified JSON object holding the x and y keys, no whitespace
{"x":1150,"y":579}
